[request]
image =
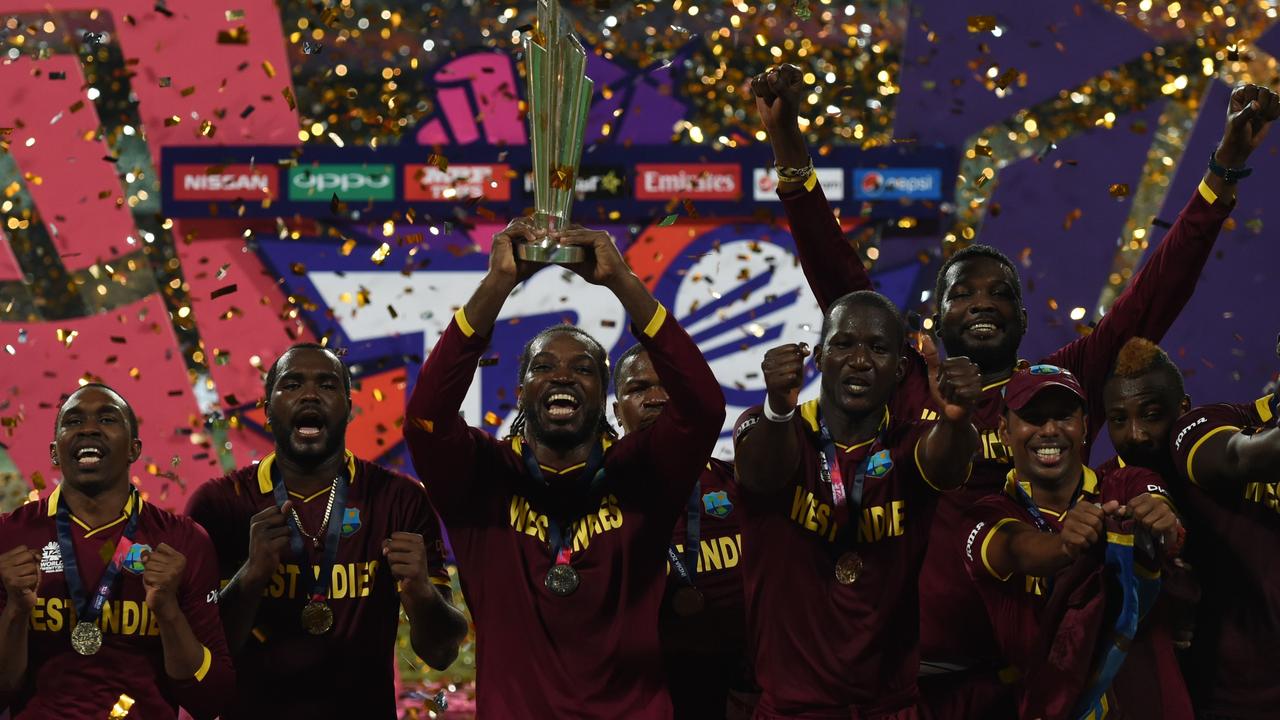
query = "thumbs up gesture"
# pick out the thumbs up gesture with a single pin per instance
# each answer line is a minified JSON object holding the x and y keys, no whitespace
{"x":956,"y":382}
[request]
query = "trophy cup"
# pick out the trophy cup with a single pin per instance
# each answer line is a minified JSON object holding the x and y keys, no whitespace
{"x":559,"y":98}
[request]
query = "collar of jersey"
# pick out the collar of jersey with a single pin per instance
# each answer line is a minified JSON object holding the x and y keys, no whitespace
{"x":124,"y":514}
{"x":517,"y":444}
{"x":1088,"y":487}
{"x":264,"y":473}
{"x":809,"y":413}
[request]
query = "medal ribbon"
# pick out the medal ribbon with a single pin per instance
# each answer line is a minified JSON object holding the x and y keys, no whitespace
{"x":88,"y":610}
{"x":333,"y":534}
{"x":593,"y":473}
{"x":686,"y":564}
{"x":848,"y":501}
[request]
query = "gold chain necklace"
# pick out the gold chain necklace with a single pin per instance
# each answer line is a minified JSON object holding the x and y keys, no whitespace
{"x":328,"y":509}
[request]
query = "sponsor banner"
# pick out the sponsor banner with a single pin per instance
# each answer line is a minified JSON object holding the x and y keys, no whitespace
{"x":492,"y":181}
{"x":764,"y":184}
{"x":704,"y":181}
{"x":316,"y":183}
{"x":593,"y":183}
{"x":225,"y":182}
{"x":897,"y":184}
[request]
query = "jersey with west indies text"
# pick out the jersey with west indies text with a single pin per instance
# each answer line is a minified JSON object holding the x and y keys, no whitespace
{"x":349,"y":670}
{"x":820,"y":646}
{"x":952,"y":624}
{"x":593,"y":652}
{"x":61,"y":683}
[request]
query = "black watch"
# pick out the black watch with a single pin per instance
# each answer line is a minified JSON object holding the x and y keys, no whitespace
{"x":1228,"y":175}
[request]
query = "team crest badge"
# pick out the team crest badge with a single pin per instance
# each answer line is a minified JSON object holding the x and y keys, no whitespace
{"x":133,"y":560}
{"x":350,"y":521}
{"x":880,"y":464}
{"x":717,"y":504}
{"x":51,"y":558}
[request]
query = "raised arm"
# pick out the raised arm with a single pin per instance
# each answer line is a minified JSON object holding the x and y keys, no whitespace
{"x":1016,"y":547}
{"x":945,"y":453}
{"x":768,"y":444}
{"x":831,"y":265}
{"x":1157,"y":294}
{"x":682,"y":438}
{"x":1219,"y":447}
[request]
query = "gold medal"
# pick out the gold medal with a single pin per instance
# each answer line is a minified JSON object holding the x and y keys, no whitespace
{"x":848,"y":568}
{"x":86,"y":638}
{"x":317,"y":617}
{"x":562,"y":580}
{"x":688,"y":601}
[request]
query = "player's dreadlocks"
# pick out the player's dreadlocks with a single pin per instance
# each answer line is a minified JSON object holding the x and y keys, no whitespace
{"x":594,"y":349}
{"x":1140,"y":356}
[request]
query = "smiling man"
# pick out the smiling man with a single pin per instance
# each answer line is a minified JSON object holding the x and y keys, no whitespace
{"x":703,"y":621}
{"x":320,"y":551}
{"x":1027,"y":550}
{"x":837,"y":497}
{"x":561,"y":531}
{"x":104,"y":594}
{"x":981,"y":316}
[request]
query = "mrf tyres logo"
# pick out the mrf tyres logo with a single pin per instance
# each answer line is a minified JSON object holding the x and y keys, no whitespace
{"x":897,"y":184}
{"x":319,"y":183}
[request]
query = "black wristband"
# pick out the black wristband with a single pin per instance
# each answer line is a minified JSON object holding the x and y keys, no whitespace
{"x":1228,"y":175}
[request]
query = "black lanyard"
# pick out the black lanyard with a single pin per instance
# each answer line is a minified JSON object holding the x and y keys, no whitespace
{"x":846,"y":501}
{"x":88,"y":610}
{"x":577,"y":504}
{"x":1030,"y":506}
{"x":332,"y":536}
{"x":686,"y":564}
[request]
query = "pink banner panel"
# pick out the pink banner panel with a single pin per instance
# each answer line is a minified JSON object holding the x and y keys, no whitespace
{"x":134,"y":350}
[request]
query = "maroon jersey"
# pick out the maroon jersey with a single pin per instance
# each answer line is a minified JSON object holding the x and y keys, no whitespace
{"x":61,"y":683}
{"x":349,"y":670}
{"x":819,"y":646}
{"x":1016,"y":603}
{"x":952,"y":628}
{"x":703,"y":653}
{"x":1232,"y":539}
{"x":595,"y":652}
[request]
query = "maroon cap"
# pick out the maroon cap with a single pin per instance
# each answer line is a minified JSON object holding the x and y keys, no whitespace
{"x":1026,"y":384}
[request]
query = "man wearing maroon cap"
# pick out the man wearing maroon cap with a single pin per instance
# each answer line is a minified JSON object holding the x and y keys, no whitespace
{"x":1035,"y":552}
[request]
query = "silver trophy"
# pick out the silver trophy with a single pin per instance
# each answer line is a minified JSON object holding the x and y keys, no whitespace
{"x":559,"y":98}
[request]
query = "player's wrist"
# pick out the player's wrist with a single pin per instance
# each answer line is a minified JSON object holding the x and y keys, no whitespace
{"x":771,"y":410}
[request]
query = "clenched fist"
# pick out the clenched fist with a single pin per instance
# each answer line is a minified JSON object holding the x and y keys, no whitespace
{"x":783,"y":369}
{"x":20,"y":576}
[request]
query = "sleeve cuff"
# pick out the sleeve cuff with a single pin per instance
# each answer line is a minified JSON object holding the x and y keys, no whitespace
{"x":1191,"y":455}
{"x":655,"y":323}
{"x":460,"y":317}
{"x":987,"y":541}
{"x":1207,"y":192}
{"x":204,"y":664}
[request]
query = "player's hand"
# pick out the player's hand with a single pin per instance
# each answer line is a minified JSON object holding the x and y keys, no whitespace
{"x":504,"y":264}
{"x":783,"y":369}
{"x":777,"y":92}
{"x":1250,"y":112}
{"x":20,"y":576}
{"x":604,"y":264}
{"x":162,"y":577}
{"x":957,"y":382}
{"x":1154,"y":514}
{"x":1083,"y":526}
{"x":406,"y":554}
{"x":268,"y":537}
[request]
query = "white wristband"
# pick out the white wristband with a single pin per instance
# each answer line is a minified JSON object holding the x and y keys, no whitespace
{"x":775,"y":417}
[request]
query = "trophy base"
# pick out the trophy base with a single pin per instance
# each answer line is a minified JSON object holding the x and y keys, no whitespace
{"x":558,"y":254}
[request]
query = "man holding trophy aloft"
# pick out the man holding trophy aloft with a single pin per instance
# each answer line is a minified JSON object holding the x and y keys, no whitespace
{"x":561,"y":529}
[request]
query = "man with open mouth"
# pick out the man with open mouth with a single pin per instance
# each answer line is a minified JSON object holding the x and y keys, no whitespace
{"x":837,"y":495}
{"x":320,"y":551}
{"x":104,"y":594}
{"x":561,"y":530}
{"x":1061,"y":552}
{"x":981,"y":316}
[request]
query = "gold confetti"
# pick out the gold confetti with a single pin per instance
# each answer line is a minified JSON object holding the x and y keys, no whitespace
{"x":207,"y":129}
{"x":380,"y":255}
{"x":981,"y":23}
{"x":65,"y":336}
{"x":377,"y":395}
{"x":233,"y":15}
{"x":347,"y":247}
{"x":1119,"y":190}
{"x":172,"y":120}
{"x":288,"y":98}
{"x":491,"y":418}
{"x":235,"y":36}
{"x":268,"y":68}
